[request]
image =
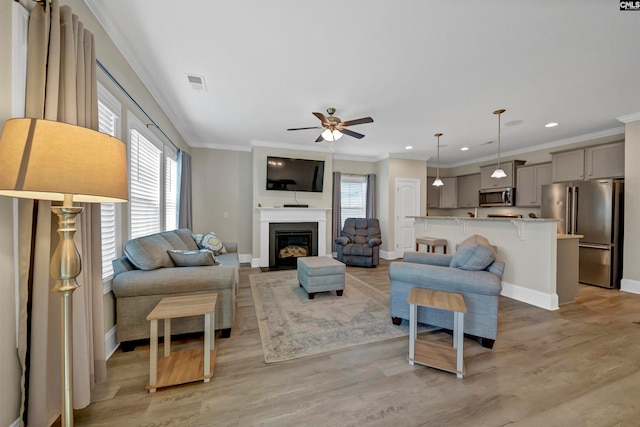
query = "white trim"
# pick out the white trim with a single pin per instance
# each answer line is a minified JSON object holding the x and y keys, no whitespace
{"x":19,"y":36}
{"x":629,"y":118}
{"x":630,"y":285}
{"x":389,"y":255}
{"x":530,"y":296}
{"x":111,"y":343}
{"x":16,"y":423}
{"x":244,"y":258}
{"x":255,"y":262}
{"x":271,"y":215}
{"x":19,"y":32}
{"x":106,"y":285}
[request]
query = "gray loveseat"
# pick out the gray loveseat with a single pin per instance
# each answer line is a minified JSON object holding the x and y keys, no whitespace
{"x":474,"y":271}
{"x":148,"y":273}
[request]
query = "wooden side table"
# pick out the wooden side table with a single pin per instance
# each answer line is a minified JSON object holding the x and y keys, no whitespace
{"x":188,"y":365}
{"x":435,"y":354}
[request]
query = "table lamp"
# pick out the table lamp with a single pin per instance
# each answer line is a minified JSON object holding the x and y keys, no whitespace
{"x":48,"y":160}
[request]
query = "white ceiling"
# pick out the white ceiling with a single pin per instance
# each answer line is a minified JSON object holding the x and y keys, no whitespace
{"x":417,"y":67}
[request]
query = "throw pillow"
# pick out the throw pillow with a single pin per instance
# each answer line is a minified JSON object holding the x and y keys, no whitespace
{"x":473,"y":254}
{"x":192,"y":257}
{"x":210,"y":241}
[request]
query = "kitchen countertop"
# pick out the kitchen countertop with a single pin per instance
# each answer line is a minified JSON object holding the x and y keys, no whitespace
{"x":468,"y":218}
{"x":569,"y":236}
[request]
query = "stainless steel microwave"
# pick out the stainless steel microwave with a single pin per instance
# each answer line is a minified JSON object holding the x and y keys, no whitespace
{"x":498,"y":197}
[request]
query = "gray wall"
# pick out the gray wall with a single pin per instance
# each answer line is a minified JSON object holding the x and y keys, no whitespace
{"x":222,"y":195}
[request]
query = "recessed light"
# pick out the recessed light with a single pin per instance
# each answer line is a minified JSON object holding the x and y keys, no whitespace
{"x":464,"y":149}
{"x":409,"y":147}
{"x":551,"y":125}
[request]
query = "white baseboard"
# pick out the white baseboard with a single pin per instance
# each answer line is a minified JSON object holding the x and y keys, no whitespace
{"x":388,"y":255}
{"x":630,"y":285}
{"x":245,"y":258}
{"x":111,"y":343}
{"x":530,"y":296}
{"x":16,"y":423}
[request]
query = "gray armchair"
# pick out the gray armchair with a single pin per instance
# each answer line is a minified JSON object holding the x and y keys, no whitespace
{"x":474,"y":271}
{"x":359,"y":242}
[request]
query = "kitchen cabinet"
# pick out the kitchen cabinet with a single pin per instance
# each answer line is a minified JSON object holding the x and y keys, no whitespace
{"x":433,"y":193}
{"x":488,"y":183}
{"x":605,"y":161}
{"x":568,"y":166}
{"x":530,"y":181}
{"x":468,"y":189}
{"x":600,"y":161}
{"x":448,"y":193}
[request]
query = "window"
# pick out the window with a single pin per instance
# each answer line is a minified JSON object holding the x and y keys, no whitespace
{"x":171,"y":193}
{"x":353,"y":197}
{"x":109,"y":123}
{"x":153,"y":181}
{"x":145,"y":186}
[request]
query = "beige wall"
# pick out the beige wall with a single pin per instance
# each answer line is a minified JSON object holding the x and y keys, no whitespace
{"x":222,"y":195}
{"x":353,"y":167}
{"x":266,"y":198}
{"x":397,"y":168}
{"x":9,"y":365}
{"x":631,"y":267}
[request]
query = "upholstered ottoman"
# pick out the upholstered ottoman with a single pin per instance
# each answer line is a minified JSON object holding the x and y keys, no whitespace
{"x":320,"y":274}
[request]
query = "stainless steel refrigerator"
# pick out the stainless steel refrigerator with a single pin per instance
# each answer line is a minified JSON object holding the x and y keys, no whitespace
{"x":595,"y":210}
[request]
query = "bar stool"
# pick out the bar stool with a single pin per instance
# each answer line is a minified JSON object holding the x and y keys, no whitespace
{"x":431,"y":243}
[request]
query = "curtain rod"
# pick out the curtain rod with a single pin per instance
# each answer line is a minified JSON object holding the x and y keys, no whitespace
{"x":117,"y":83}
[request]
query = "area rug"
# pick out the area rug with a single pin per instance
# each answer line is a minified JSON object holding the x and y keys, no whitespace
{"x":291,"y":325}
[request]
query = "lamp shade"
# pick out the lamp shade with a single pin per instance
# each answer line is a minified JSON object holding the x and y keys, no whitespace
{"x":43,"y":159}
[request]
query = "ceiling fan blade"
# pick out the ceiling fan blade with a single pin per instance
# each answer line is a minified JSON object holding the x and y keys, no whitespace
{"x":351,"y":133}
{"x":313,"y":127}
{"x":322,"y":118}
{"x":320,"y":138}
{"x":357,"y":121}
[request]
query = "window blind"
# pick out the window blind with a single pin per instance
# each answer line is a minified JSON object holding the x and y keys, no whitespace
{"x":107,"y":123}
{"x":353,"y":193}
{"x":171,"y":194}
{"x":144,"y":198}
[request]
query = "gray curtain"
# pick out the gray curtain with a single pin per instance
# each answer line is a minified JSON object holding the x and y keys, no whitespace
{"x":185,"y":217}
{"x":371,"y":196}
{"x":336,"y":208}
{"x":61,"y":86}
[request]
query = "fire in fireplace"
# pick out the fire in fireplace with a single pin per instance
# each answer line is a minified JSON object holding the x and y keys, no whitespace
{"x":288,"y":241}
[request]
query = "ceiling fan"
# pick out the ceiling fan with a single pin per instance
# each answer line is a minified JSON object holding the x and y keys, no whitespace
{"x":334,"y":127}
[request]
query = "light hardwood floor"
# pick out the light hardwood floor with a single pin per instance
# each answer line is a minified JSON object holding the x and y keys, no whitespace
{"x":577,"y":366}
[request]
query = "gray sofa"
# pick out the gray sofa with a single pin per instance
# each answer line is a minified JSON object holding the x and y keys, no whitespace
{"x":474,"y":271}
{"x":148,"y":273}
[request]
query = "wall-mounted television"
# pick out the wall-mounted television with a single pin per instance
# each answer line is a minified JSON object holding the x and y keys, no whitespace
{"x":285,"y":174}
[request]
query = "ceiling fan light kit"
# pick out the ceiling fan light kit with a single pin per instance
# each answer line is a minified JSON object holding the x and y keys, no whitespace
{"x":499,"y":173}
{"x":334,"y":127}
{"x":438,"y":182}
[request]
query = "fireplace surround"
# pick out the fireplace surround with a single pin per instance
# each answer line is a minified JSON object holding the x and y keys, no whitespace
{"x":269,"y":216}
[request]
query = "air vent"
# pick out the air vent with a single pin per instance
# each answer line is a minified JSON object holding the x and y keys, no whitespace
{"x":197,"y":82}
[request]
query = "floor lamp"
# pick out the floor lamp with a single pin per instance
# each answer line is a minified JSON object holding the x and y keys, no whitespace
{"x":47,"y":160}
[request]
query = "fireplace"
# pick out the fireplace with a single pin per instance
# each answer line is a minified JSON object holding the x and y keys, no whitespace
{"x":288,"y":241}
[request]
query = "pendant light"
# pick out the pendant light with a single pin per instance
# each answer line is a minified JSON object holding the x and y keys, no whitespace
{"x":498,"y":173}
{"x":438,"y":182}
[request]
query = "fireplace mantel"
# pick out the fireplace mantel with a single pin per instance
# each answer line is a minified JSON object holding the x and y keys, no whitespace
{"x":270,"y":215}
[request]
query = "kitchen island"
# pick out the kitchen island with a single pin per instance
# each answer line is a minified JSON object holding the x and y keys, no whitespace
{"x":528,"y":246}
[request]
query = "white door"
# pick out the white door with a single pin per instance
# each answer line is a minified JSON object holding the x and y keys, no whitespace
{"x":407,"y":204}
